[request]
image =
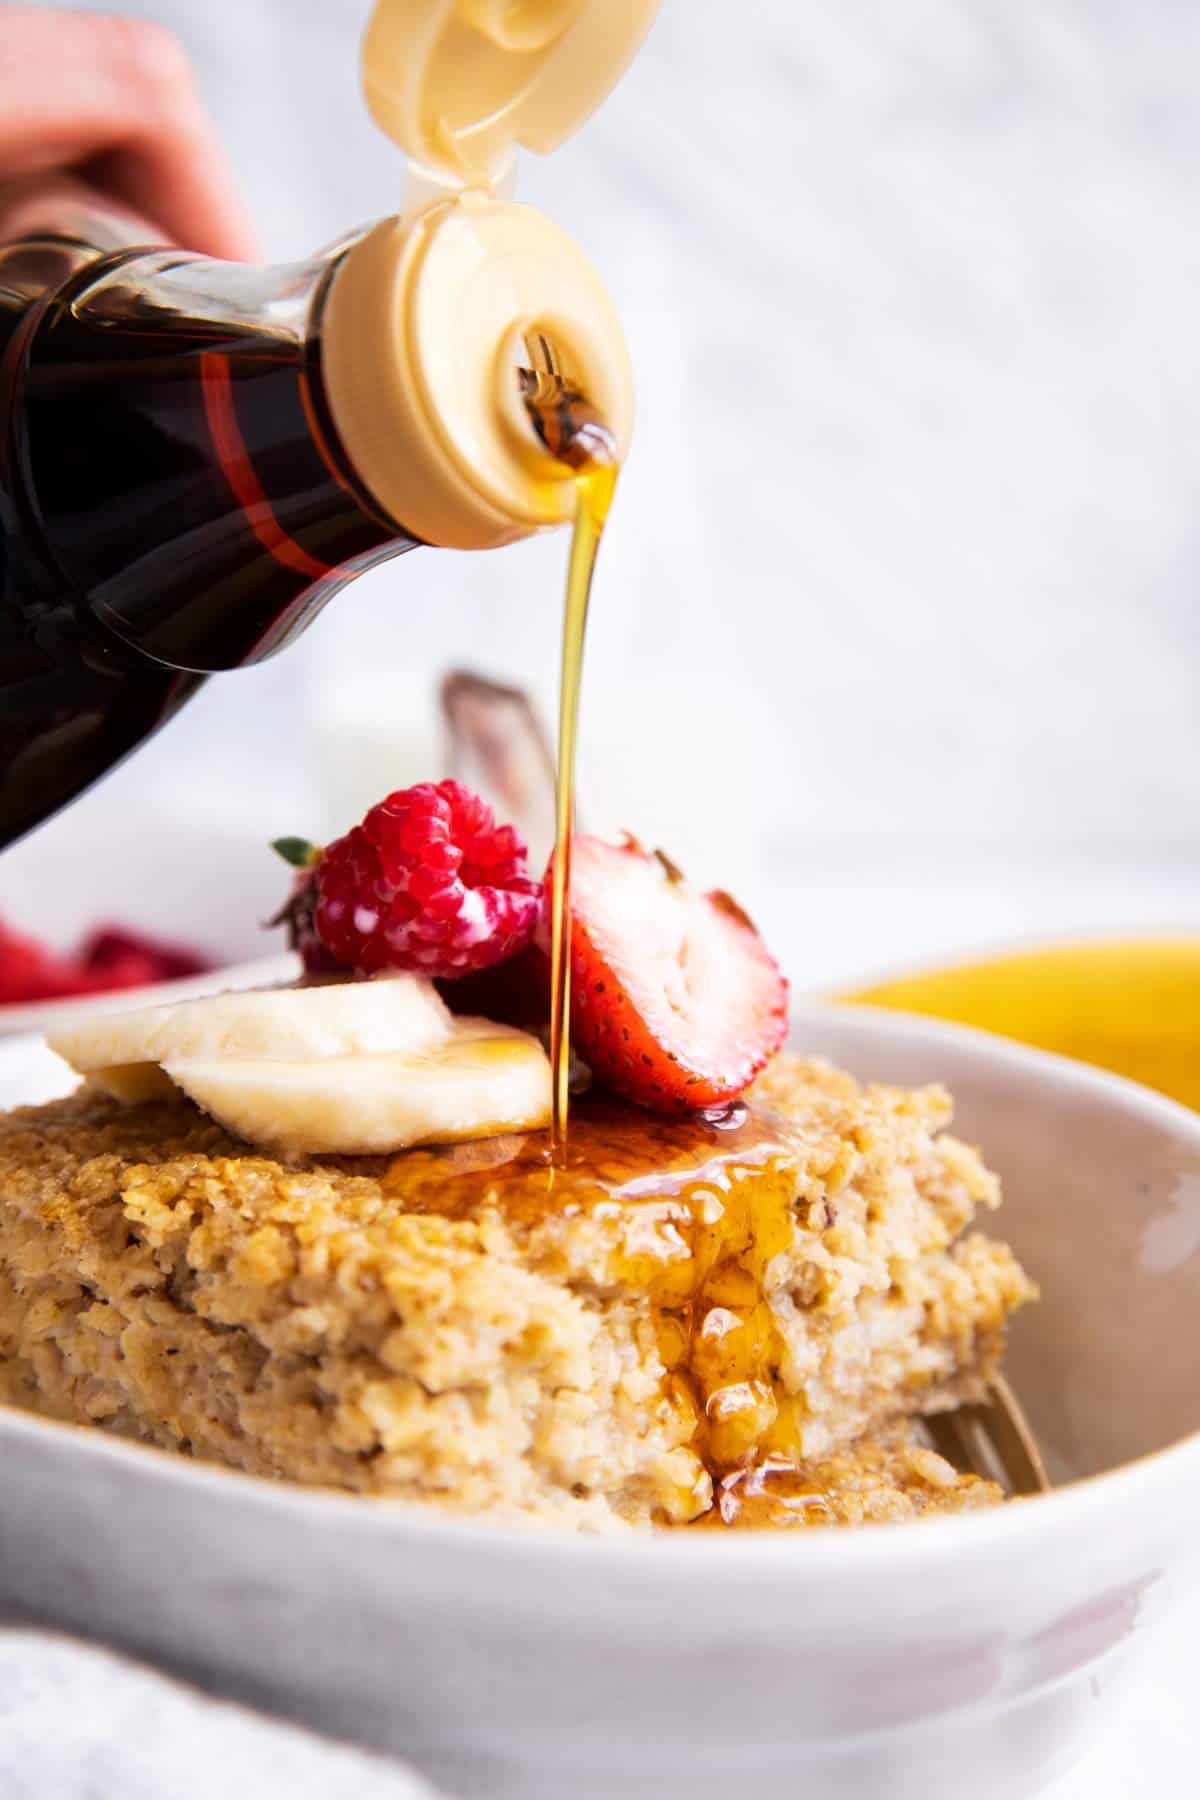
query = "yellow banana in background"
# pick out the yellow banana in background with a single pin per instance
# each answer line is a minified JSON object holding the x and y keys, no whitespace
{"x":1131,"y":1005}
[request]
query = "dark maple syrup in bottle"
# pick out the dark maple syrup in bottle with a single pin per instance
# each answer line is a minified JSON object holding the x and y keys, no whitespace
{"x":174,"y":499}
{"x":195,"y":455}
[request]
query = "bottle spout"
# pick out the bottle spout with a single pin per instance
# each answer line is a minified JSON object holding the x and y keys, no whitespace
{"x":427,"y":360}
{"x":565,"y":422}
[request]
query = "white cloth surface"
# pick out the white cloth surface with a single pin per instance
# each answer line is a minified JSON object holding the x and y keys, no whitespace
{"x":79,"y":1723}
{"x":1150,"y":1746}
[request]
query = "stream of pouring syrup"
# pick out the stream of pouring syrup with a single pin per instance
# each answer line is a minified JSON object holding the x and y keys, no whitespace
{"x":576,"y":435}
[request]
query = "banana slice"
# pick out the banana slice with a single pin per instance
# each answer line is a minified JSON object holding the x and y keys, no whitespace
{"x":347,"y":1068}
{"x":399,"y":1012}
{"x":484,"y":1080}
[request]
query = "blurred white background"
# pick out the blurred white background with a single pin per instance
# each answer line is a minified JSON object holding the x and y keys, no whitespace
{"x":897,"y":629}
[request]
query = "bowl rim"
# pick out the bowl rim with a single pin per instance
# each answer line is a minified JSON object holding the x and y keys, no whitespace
{"x":913,"y":1544}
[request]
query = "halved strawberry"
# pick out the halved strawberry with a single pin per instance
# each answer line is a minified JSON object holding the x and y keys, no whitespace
{"x":676,"y":1002}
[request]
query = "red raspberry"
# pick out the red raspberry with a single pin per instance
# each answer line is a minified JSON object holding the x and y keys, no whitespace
{"x":428,"y":882}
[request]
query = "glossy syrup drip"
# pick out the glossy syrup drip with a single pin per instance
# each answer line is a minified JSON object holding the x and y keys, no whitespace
{"x":690,"y":1213}
{"x":574,"y":434}
{"x":595,"y":491}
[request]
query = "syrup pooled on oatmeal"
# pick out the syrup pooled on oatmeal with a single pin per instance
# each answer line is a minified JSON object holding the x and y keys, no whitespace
{"x":689,"y":1212}
{"x":574,"y":434}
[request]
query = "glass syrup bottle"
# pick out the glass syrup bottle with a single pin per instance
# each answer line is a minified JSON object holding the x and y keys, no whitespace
{"x":196,"y":455}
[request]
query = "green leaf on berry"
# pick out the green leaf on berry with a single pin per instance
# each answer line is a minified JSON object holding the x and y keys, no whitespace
{"x":297,"y":851}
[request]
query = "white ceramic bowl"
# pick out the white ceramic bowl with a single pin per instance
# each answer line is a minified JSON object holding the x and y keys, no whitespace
{"x":967,"y":1655}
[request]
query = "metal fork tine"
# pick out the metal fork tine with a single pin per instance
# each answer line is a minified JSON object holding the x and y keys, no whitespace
{"x":993,"y":1438}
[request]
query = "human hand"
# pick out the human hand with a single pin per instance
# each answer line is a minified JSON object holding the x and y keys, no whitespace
{"x":111,"y":103}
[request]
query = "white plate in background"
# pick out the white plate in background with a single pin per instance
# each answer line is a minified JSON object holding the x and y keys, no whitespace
{"x":184,"y":876}
{"x":201,"y":875}
{"x":47,"y":1015}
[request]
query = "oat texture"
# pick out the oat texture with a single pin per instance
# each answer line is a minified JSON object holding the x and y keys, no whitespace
{"x":324,"y":1323}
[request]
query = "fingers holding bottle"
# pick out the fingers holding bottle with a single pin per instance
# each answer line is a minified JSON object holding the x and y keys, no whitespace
{"x":111,"y":103}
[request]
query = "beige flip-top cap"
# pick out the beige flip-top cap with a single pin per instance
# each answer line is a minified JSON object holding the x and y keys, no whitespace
{"x":427,"y":316}
{"x":459,"y":84}
{"x":423,"y":336}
